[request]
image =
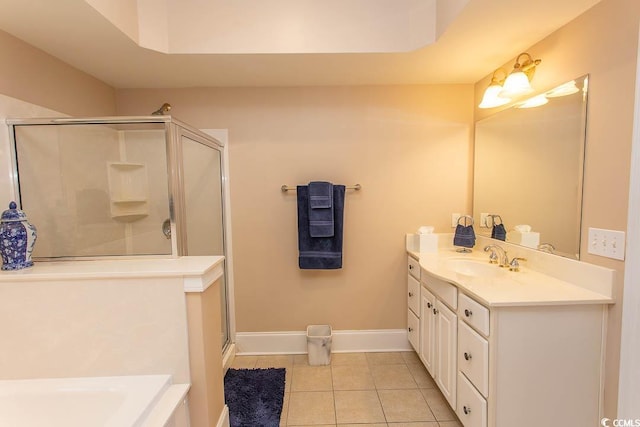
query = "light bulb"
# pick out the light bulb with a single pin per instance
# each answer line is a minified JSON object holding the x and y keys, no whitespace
{"x":516,"y":84}
{"x":491,"y":98}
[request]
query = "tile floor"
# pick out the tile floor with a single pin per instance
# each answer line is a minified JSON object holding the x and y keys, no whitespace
{"x":358,"y":390}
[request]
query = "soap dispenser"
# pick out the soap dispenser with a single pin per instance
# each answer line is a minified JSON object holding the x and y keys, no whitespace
{"x":17,"y":238}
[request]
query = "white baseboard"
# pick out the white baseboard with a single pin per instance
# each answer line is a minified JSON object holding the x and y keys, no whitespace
{"x":223,"y":421}
{"x":295,"y":342}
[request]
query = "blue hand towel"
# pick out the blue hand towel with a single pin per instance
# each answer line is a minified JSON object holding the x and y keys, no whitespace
{"x":498,"y":232}
{"x":464,"y":236}
{"x":320,"y":253}
{"x":321,"y":209}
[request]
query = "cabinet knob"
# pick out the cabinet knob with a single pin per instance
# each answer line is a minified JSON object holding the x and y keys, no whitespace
{"x":410,"y":329}
{"x":467,"y":356}
{"x":410,"y":294}
{"x":429,"y":305}
{"x":467,"y":312}
{"x":466,"y":410}
{"x":410,"y":267}
{"x":435,"y":311}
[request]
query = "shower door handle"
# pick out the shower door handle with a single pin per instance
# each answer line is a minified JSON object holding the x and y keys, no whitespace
{"x":166,"y":228}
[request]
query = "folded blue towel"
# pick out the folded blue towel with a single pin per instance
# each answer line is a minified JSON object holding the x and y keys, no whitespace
{"x":320,"y":195}
{"x":321,"y":209}
{"x":464,"y":236}
{"x":498,"y":232}
{"x":320,"y":253}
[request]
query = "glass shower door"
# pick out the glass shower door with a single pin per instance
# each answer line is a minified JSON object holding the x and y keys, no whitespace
{"x":203,"y":202}
{"x":94,"y":189}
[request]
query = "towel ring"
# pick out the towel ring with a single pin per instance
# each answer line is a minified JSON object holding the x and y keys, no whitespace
{"x":465,"y":218}
{"x":493,"y":219}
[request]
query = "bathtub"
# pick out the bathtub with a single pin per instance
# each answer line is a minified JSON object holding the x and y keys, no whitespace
{"x":127,"y":401}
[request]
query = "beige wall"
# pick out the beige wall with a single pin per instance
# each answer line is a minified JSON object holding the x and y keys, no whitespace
{"x":602,"y":43}
{"x":409,"y":148}
{"x":32,"y":75}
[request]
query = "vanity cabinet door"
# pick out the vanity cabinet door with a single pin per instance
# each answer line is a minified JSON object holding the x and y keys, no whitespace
{"x":413,"y":330}
{"x":446,"y":352}
{"x":413,"y":267}
{"x":413,"y":295}
{"x":428,"y":330}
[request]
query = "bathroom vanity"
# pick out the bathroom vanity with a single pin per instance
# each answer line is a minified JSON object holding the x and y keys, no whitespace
{"x":511,"y":348}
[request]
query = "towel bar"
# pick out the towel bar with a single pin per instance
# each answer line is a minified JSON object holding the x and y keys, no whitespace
{"x":286,"y":188}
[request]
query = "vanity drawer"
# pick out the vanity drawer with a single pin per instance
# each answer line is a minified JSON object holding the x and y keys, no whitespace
{"x":474,"y":313}
{"x":472,"y":408}
{"x":413,"y":323}
{"x":473,"y":357}
{"x":445,"y":291}
{"x":413,"y":266}
{"x":413,"y":294}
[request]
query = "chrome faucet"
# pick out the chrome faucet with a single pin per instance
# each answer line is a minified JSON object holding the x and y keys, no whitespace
{"x":498,"y":255}
{"x":514,"y":265}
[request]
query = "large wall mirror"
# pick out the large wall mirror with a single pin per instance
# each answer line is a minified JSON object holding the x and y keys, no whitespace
{"x":528,"y":170}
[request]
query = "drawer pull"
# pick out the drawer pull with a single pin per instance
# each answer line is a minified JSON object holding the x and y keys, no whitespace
{"x":410,"y":294}
{"x":429,"y":305}
{"x":466,"y":410}
{"x":467,"y":312}
{"x":435,"y":311}
{"x":467,"y":356}
{"x":410,"y":267}
{"x":410,"y":329}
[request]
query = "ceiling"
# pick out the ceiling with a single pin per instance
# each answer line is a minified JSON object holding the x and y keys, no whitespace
{"x":482,"y":36}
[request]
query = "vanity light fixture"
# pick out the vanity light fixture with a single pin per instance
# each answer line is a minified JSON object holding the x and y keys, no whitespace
{"x":518,"y":82}
{"x":490,"y":98}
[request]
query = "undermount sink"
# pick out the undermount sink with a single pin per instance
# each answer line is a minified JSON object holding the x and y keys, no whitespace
{"x":473,"y":268}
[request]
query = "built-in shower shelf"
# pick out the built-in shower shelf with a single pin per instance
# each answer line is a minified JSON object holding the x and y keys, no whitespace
{"x":126,"y":165}
{"x":128,"y":201}
{"x":129,"y":217}
{"x":128,"y":191}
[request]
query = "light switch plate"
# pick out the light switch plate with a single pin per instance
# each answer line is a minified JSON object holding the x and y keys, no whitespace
{"x":606,"y":243}
{"x":454,"y":219}
{"x":484,"y":220}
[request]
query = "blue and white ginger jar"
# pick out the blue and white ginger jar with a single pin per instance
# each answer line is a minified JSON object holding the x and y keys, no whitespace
{"x":17,"y":238}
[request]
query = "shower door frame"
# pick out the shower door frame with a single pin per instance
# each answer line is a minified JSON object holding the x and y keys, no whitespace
{"x":177,"y":179}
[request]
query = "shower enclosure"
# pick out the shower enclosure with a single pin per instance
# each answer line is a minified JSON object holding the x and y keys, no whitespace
{"x":123,"y":187}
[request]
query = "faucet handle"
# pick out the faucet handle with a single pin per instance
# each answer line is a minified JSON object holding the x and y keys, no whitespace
{"x":514,"y":265}
{"x":493,"y":257}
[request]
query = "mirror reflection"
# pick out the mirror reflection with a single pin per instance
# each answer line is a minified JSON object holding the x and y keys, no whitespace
{"x":528,"y":170}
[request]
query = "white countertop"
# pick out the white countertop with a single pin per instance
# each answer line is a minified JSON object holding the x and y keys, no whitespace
{"x":198,"y":272}
{"x":508,"y":288}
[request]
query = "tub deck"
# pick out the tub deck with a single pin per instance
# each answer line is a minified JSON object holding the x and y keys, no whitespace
{"x":121,"y":401}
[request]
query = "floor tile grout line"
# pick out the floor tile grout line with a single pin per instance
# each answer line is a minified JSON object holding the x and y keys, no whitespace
{"x":333,"y":393}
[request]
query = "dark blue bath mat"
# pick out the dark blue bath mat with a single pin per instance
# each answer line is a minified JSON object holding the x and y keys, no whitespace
{"x":254,"y":396}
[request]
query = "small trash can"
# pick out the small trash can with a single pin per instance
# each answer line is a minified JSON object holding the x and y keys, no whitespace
{"x":319,"y":344}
